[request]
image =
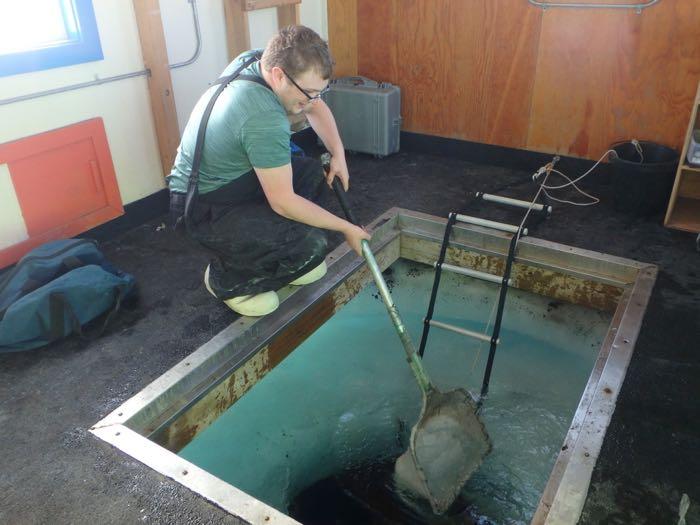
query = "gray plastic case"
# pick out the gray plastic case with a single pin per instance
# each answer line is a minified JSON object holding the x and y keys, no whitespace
{"x":368,"y":114}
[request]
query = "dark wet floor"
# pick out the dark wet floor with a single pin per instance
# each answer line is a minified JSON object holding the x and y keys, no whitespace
{"x":54,"y":471}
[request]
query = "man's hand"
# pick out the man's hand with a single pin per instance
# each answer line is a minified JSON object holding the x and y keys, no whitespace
{"x":338,"y":168}
{"x":354,"y":235}
{"x":323,"y":123}
{"x":279,"y":191}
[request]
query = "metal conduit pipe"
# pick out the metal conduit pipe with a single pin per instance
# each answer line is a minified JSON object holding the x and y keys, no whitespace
{"x":637,"y":7}
{"x":98,"y":81}
{"x":73,"y":87}
{"x":198,"y":38}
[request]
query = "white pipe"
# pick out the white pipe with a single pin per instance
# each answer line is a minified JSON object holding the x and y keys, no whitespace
{"x":490,"y":224}
{"x":513,"y":202}
{"x":463,"y":331}
{"x":474,"y":273}
{"x":197,"y":36}
{"x":99,"y":81}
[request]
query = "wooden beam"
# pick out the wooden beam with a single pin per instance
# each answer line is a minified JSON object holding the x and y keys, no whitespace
{"x":160,"y":87}
{"x":252,"y":5}
{"x":342,"y":36}
{"x":237,"y":31}
{"x":287,"y":15}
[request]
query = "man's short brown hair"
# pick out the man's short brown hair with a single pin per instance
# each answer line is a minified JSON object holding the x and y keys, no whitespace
{"x":298,"y":49}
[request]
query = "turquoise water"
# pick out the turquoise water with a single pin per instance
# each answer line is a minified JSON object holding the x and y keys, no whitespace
{"x":346,"y":397}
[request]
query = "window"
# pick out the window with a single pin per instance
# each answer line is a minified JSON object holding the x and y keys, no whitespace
{"x":43,"y":34}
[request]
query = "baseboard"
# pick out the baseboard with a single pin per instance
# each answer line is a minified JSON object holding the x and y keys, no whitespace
{"x":135,"y":214}
{"x":476,"y":152}
{"x":156,"y":204}
{"x":488,"y":154}
{"x":143,"y":210}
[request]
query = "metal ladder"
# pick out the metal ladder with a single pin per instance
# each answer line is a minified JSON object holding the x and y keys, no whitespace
{"x":505,"y":281}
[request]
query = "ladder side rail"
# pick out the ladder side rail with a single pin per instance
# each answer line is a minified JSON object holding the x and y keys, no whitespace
{"x":499,"y":316}
{"x":436,"y":282}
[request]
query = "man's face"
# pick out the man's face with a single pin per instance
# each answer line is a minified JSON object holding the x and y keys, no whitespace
{"x":297,"y":98}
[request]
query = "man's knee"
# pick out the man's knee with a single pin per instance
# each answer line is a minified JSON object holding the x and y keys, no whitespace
{"x":317,"y":242}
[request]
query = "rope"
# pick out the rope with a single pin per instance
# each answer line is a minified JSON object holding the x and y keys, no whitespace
{"x":638,"y":147}
{"x":594,"y":200}
{"x":572,"y":183}
{"x":481,"y":343}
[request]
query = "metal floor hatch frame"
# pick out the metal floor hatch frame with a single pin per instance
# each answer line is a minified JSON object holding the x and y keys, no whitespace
{"x":168,"y":413}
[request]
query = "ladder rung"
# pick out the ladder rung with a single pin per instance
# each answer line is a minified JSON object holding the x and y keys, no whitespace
{"x":514,"y":202}
{"x":489,"y":224}
{"x":463,"y":331}
{"x":474,"y":273}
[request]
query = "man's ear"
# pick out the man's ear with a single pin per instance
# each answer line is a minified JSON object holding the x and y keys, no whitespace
{"x":277,"y":74}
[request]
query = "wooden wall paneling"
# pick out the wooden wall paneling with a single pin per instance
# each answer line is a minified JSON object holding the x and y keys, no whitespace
{"x":494,"y":55}
{"x":342,"y":35}
{"x":424,"y":67}
{"x":661,"y":84}
{"x":288,"y":15}
{"x":237,"y":29}
{"x":160,"y":87}
{"x":466,"y":69}
{"x":377,"y":48}
{"x":610,"y":75}
{"x":252,"y":5}
{"x":237,"y":26}
{"x":569,"y":81}
{"x":578,"y":52}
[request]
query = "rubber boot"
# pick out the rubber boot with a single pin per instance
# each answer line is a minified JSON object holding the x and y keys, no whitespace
{"x":312,"y":276}
{"x":249,"y":305}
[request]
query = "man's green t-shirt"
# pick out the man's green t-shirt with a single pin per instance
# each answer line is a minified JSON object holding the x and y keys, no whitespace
{"x":248,"y":127}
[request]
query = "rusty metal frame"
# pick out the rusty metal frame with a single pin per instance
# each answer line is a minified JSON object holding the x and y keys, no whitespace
{"x":157,"y":422}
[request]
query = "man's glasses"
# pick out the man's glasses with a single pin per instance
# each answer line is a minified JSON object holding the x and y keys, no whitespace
{"x":310,"y":97}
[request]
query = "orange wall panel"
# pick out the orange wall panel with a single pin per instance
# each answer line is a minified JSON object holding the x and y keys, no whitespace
{"x":64,"y":181}
{"x":58,"y":186}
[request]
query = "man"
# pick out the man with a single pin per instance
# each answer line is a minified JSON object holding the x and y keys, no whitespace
{"x":255,"y":210}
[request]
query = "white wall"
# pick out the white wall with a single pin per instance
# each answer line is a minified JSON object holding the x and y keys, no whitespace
{"x":189,"y":82}
{"x":125,"y":105}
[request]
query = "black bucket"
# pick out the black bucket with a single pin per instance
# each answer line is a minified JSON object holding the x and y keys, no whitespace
{"x":642,"y":183}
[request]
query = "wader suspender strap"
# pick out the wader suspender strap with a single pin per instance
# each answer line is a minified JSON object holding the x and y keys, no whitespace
{"x":244,"y":76}
{"x":222,"y":82}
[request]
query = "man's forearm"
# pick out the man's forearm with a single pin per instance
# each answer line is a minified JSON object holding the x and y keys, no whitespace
{"x":302,"y":210}
{"x":323,"y":123}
